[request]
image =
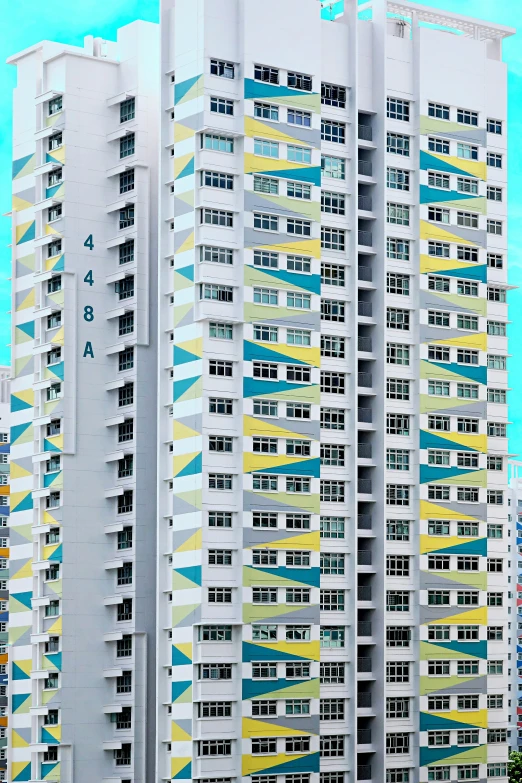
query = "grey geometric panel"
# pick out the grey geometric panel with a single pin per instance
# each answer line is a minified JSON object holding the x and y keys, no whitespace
{"x":257,"y":536}
{"x":181,"y":236}
{"x":310,"y":614}
{"x":181,"y":207}
{"x":297,"y":426}
{"x":429,"y":300}
{"x":252,"y":500}
{"x":194,"y":421}
{"x":476,"y":408}
{"x":310,"y":724}
{"x":304,"y":320}
{"x":187,"y":319}
{"x":431,"y":581}
{"x":191,"y":619}
{"x":255,"y":238}
{"x":180,"y":536}
{"x":471,"y":510}
{"x":255,"y":201}
{"x":195,"y":121}
{"x":474,"y":685}
{"x":429,"y":614}
{"x":472,"y":136}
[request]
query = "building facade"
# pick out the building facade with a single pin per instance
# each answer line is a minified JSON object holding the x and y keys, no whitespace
{"x":515,"y":491}
{"x":333,"y":379}
{"x":84,"y":367}
{"x":324,"y":593}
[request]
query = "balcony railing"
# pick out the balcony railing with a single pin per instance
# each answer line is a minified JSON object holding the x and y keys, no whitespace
{"x":364,"y":451}
{"x":364,"y":772}
{"x":364,"y":167}
{"x":364,"y":486}
{"x":364,"y":664}
{"x":365,"y":203}
{"x":364,"y":238}
{"x":364,"y":344}
{"x":364,"y":415}
{"x":364,"y":698}
{"x":364,"y":592}
{"x":365,"y":273}
{"x":365,"y":309}
{"x":364,"y":521}
{"x":364,"y":628}
{"x":364,"y":556}
{"x":364,"y":737}
{"x":365,"y":132}
{"x":364,"y":379}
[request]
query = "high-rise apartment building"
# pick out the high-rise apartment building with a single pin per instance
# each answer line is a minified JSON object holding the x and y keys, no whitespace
{"x":317,"y":580}
{"x":4,"y":564}
{"x":515,"y":496}
{"x":84,"y":366}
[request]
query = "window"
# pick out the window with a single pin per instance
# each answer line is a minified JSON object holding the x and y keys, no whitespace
{"x":333,"y":347}
{"x":397,"y":530}
{"x":497,"y":429}
{"x":216,"y":179}
{"x":220,"y":481}
{"x":331,"y":746}
{"x":264,"y":370}
{"x":333,"y":95}
{"x":299,"y":190}
{"x":222,"y":106}
{"x":494,"y":194}
{"x":398,"y":743}
{"x":127,"y":146}
{"x":497,"y":328}
{"x":494,"y":227}
{"x":496,"y":294}
{"x":265,"y":296}
{"x":397,"y":671}
{"x":398,"y":249}
{"x":266,"y":222}
{"x":439,"y":388}
{"x":497,"y":735}
{"x":439,"y":215}
{"x":397,"y":179}
{"x":215,"y":748}
{"x":333,"y":131}
{"x":397,"y":318}
{"x":220,"y":368}
{"x":439,"y":249}
{"x":332,"y":601}
{"x":220,"y":443}
{"x":334,"y":168}
{"x":467,"y":185}
{"x":263,"y":73}
{"x":298,"y":337}
{"x":437,"y":283}
{"x":264,"y":482}
{"x":398,"y":636}
{"x":398,"y":144}
{"x":438,"y":598}
{"x":332,"y":709}
{"x":399,"y":354}
{"x":495,"y":497}
{"x":125,"y":288}
{"x":265,"y":408}
{"x":126,"y":217}
{"x":495,"y":667}
{"x":398,"y":494}
{"x":467,"y":253}
{"x":494,"y":160}
{"x":438,"y":318}
{"x":467,"y":117}
{"x":220,"y":330}
{"x":299,"y":264}
{"x":467,"y":219}
{"x":298,"y":154}
{"x":299,"y":81}
{"x":398,"y":109}
{"x":467,"y":495}
{"x":127,"y":110}
{"x":397,"y":424}
{"x":332,"y":203}
{"x":439,"y":110}
{"x":397,"y":565}
{"x":298,"y":410}
{"x":332,"y":274}
{"x":497,"y":769}
{"x":494,"y":126}
{"x":298,"y":300}
{"x":467,"y":151}
{"x":222,"y":68}
{"x":440,"y":146}
{"x":297,"y":226}
{"x":54,"y":249}
{"x":398,"y":214}
{"x":210,"y":141}
{"x":298,"y":484}
{"x":438,"y":180}
{"x":333,"y":239}
{"x":397,"y":601}
{"x":332,"y":637}
{"x":217,"y":217}
{"x":397,"y":459}
{"x":496,"y":362}
{"x":266,"y":111}
{"x":219,"y":519}
{"x":465,"y":321}
{"x":126,"y":360}
{"x":123,"y":650}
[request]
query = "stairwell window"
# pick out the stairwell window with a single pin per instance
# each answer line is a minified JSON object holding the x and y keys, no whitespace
{"x":398,"y":109}
{"x":334,"y":132}
{"x":127,"y":145}
{"x":126,"y":217}
{"x":334,"y":168}
{"x":54,"y":213}
{"x":126,"y":181}
{"x":54,"y":248}
{"x":398,"y":144}
{"x":127,"y":110}
{"x":333,"y":95}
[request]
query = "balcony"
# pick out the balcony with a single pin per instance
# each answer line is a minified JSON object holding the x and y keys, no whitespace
{"x":364,"y":665}
{"x":364,"y":309}
{"x":364,"y":415}
{"x":364,"y":628}
{"x":364,"y":521}
{"x":365,"y":273}
{"x":364,"y":168}
{"x":364,"y":486}
{"x":365,"y":203}
{"x":364,"y":698}
{"x":364,"y":772}
{"x":364,"y":592}
{"x":364,"y":556}
{"x":364,"y":238}
{"x":364,"y":737}
{"x":364,"y":344}
{"x":364,"y":451}
{"x":364,"y":132}
{"x":364,"y":379}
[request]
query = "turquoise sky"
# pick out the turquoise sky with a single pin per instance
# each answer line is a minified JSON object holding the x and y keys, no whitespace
{"x":29,"y":21}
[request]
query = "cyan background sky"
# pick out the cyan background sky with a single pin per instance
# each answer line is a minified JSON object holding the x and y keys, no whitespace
{"x":28,"y":21}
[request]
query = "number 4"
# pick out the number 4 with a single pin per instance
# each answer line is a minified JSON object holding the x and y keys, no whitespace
{"x":89,"y":278}
{"x":88,"y":242}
